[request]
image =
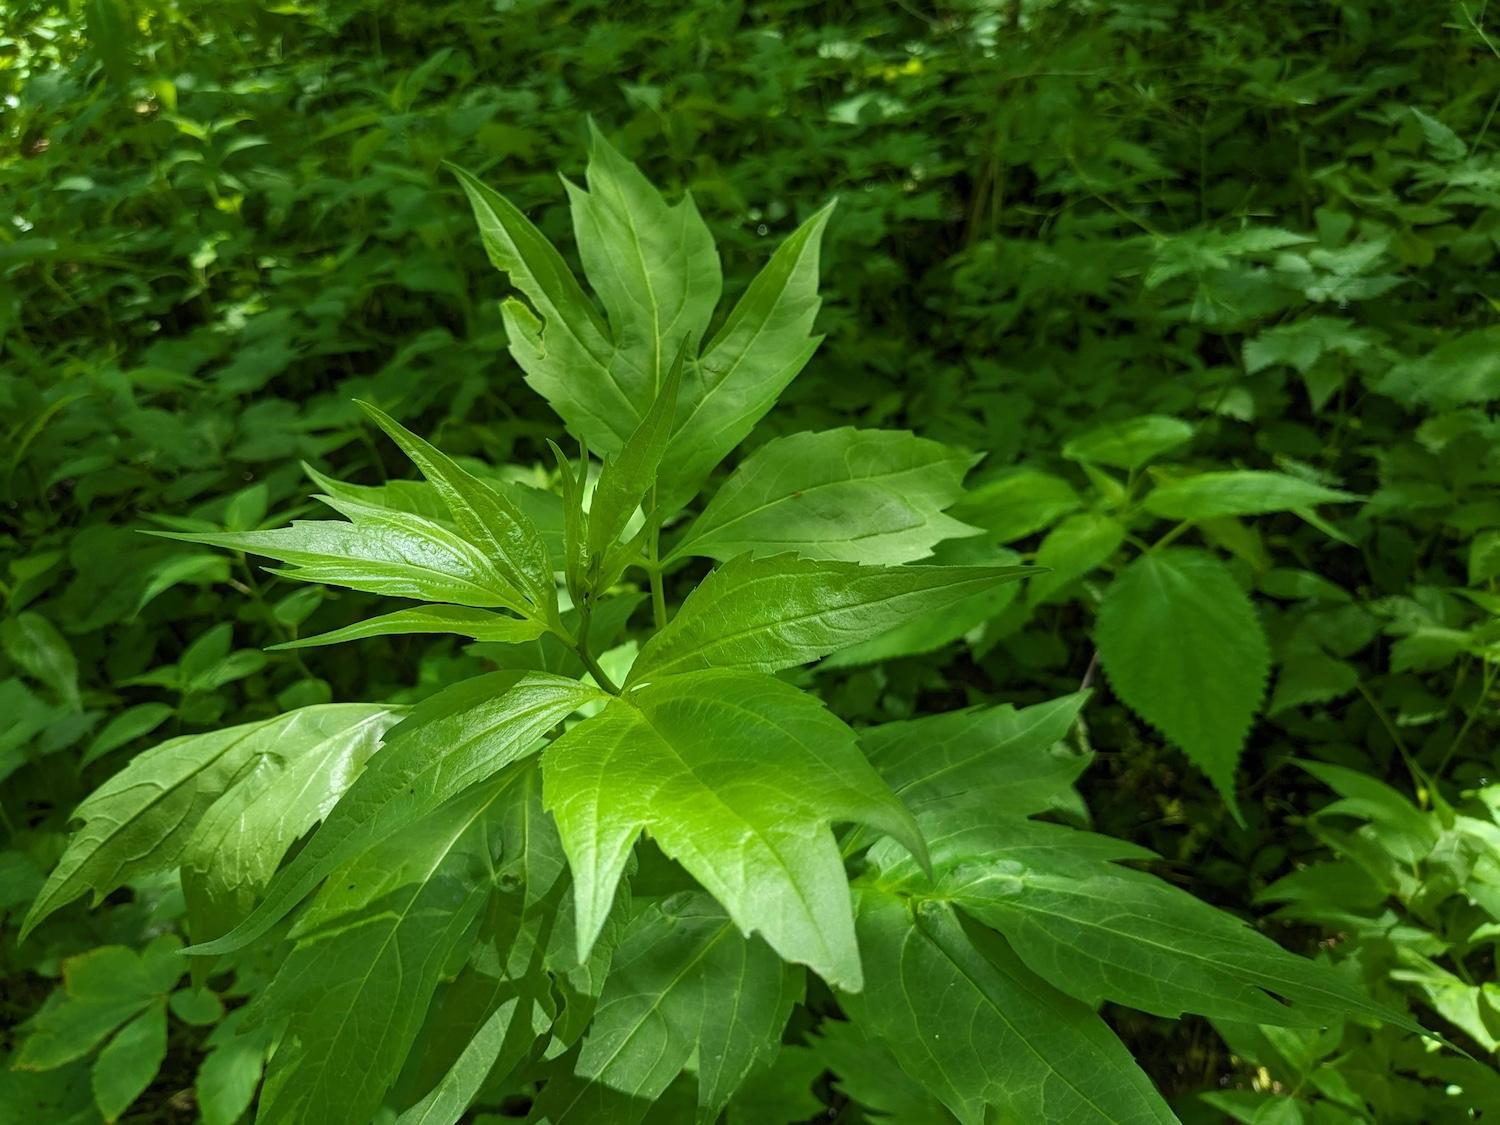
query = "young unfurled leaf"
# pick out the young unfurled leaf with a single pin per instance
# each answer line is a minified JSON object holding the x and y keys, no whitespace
{"x":628,"y":476}
{"x":866,"y":496}
{"x":665,"y":1000}
{"x":771,"y":613}
{"x":1237,"y":493}
{"x":738,"y":776}
{"x":483,"y":515}
{"x":142,"y":819}
{"x":1099,"y":931}
{"x":381,"y":551}
{"x":762,"y":346}
{"x":653,"y":266}
{"x":560,"y":342}
{"x":370,"y":951}
{"x":1183,"y":647}
{"x":970,"y":1022}
{"x":448,"y":744}
{"x":462,"y":620}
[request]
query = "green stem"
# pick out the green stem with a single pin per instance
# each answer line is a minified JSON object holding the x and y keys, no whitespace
{"x":1484,"y":694}
{"x":1172,"y":534}
{"x":658,"y":593}
{"x":601,"y":677}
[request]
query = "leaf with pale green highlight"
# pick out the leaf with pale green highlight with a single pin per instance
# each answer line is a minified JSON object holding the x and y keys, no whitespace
{"x":676,"y":966}
{"x":484,"y":516}
{"x":653,"y":266}
{"x":1077,"y":545}
{"x":462,"y":620}
{"x":966,"y":1019}
{"x":369,"y":953}
{"x":381,"y":551}
{"x":450,"y":742}
{"x":1237,"y":493}
{"x":738,"y":776}
{"x":1183,"y":647}
{"x":866,"y":496}
{"x":763,"y":344}
{"x":770,"y":613}
{"x":142,"y":820}
{"x":279,"y":794}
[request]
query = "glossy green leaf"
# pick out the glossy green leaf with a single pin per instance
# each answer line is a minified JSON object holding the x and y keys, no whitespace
{"x":449,"y":743}
{"x":462,"y":620}
{"x":1183,"y":647}
{"x":143,"y":819}
{"x":483,"y":515}
{"x":771,"y":613}
{"x":1131,"y":443}
{"x":1237,"y":493}
{"x":654,"y":266}
{"x":969,"y":1021}
{"x":381,"y":551}
{"x":665,"y":1000}
{"x":738,"y":777}
{"x":763,"y":344}
{"x":278,"y":795}
{"x":130,"y":1061}
{"x":867,"y":496}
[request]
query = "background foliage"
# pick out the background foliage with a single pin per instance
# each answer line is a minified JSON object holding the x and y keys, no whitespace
{"x":1270,"y":230}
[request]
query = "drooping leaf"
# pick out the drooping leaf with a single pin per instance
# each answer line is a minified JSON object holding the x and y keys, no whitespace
{"x":1183,"y":647}
{"x":463,"y":620}
{"x":738,"y":776}
{"x":484,"y":516}
{"x":866,"y":496}
{"x":1238,"y":492}
{"x":771,"y":613}
{"x":450,"y":743}
{"x":763,"y":344}
{"x":142,"y":819}
{"x":685,"y":980}
{"x":370,"y":951}
{"x":1099,"y":931}
{"x":970,"y":1022}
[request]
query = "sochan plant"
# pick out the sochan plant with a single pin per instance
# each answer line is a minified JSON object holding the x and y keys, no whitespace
{"x":614,"y":863}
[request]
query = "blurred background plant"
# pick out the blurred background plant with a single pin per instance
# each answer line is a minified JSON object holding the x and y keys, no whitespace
{"x":1109,"y":245}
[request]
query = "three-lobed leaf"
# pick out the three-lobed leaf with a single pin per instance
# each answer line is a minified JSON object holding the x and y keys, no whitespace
{"x":738,"y":776}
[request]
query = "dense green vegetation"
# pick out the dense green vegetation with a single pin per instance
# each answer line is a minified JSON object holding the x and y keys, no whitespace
{"x":1192,"y":304}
